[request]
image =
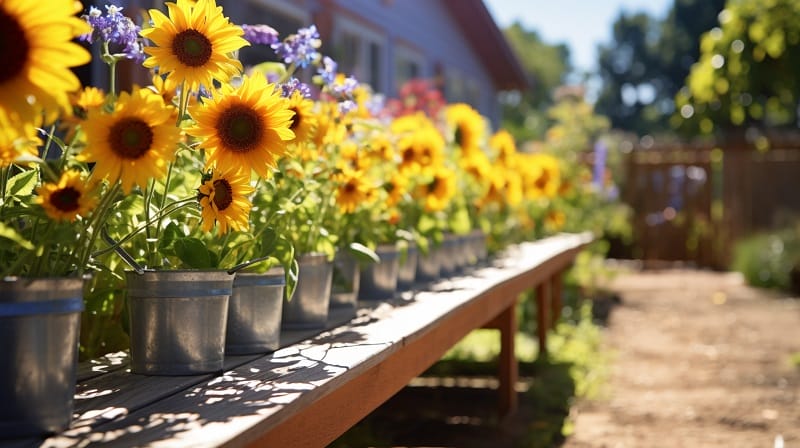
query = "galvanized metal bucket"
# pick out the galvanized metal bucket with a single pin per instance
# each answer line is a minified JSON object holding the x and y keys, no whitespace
{"x":448,"y":256}
{"x":308,"y":307}
{"x":178,"y":320}
{"x":478,"y":244}
{"x":39,"y":328}
{"x":345,"y":281}
{"x":254,"y":312}
{"x":407,"y":270}
{"x":379,"y":280}
{"x":429,"y":266}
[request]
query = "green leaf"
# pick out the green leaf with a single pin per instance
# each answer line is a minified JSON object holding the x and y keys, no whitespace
{"x":11,"y":234}
{"x":284,"y":252}
{"x":193,"y":253}
{"x":271,"y":68}
{"x":22,"y":184}
{"x":269,"y":241}
{"x":168,"y":237}
{"x":363,"y":253}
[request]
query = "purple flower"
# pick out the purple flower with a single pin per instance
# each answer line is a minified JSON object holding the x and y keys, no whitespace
{"x":301,"y":48}
{"x":346,"y":88}
{"x":327,"y":70}
{"x":119,"y":31}
{"x":289,"y":87}
{"x":347,"y":106}
{"x":260,"y":34}
{"x":599,"y":170}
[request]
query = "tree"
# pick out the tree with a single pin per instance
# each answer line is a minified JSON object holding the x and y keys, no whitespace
{"x":747,"y":72}
{"x":647,"y":62}
{"x":524,"y":114}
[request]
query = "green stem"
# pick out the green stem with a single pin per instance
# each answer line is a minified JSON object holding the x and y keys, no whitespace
{"x":175,"y":206}
{"x":89,"y":237}
{"x":46,"y":150}
{"x":5,"y":173}
{"x":289,"y":72}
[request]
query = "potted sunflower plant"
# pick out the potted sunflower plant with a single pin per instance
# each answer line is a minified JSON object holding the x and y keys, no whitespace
{"x":187,"y":157}
{"x":51,"y":209}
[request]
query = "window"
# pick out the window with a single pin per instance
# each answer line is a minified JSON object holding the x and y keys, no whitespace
{"x":359,"y":51}
{"x":408,"y":65}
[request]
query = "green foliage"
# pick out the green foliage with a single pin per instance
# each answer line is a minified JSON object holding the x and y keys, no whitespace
{"x":767,"y":260}
{"x":546,"y":65}
{"x":746,"y":74}
{"x":647,"y":62}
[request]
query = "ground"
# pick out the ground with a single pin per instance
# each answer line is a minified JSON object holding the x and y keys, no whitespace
{"x":696,"y":358}
{"x":700,"y":359}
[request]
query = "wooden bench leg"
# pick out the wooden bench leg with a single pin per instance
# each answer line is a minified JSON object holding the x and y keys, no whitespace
{"x":508,"y":366}
{"x":556,"y":299}
{"x":542,"y":315}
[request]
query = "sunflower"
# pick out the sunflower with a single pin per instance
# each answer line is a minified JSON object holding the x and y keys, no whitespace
{"x":352,"y":156}
{"x":542,"y":176}
{"x":15,"y":143}
{"x":81,"y":101}
{"x":352,"y":191}
{"x":381,"y":148}
{"x":411,"y":123}
{"x":555,"y":220}
{"x":421,"y":149}
{"x":477,"y":165}
{"x":133,"y":143}
{"x":331,"y":127}
{"x":466,"y":124}
{"x":304,"y":120}
{"x":193,"y":44}
{"x":244,"y":128}
{"x":504,"y":147}
{"x":223,"y":197}
{"x":38,"y":52}
{"x":66,"y":199}
{"x":439,"y":190}
{"x":395,"y":188}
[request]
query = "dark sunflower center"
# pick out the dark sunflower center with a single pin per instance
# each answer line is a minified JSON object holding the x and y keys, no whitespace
{"x":239,"y":128}
{"x":350,"y":188}
{"x":13,"y":46}
{"x":542,"y":180}
{"x":223,"y":194}
{"x":131,"y":138}
{"x":459,"y":137}
{"x":408,"y":154}
{"x":65,"y":199}
{"x":192,"y":48}
{"x":296,"y":119}
{"x":433,"y":185}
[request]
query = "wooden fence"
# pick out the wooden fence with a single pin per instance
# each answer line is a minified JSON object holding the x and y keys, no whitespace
{"x":692,"y":203}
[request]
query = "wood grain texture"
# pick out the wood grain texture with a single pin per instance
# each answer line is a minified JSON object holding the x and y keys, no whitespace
{"x":312,"y":390}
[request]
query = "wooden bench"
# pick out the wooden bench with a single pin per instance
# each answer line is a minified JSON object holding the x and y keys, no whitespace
{"x":319,"y":384}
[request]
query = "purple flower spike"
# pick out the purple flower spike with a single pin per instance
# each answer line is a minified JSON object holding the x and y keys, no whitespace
{"x":301,"y":48}
{"x":328,"y":70}
{"x":289,"y":87}
{"x":119,"y":31}
{"x":260,"y":34}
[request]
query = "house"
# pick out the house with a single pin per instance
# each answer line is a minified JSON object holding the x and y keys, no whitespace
{"x":455,"y":43}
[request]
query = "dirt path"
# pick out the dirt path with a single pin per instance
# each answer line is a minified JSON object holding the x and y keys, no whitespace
{"x":700,"y":360}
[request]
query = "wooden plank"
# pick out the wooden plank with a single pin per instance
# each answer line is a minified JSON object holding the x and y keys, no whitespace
{"x":556,"y":298}
{"x":508,"y":368}
{"x":542,"y":315}
{"x":343,"y":373}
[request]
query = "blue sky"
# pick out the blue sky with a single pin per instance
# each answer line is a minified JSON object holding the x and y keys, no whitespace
{"x":582,"y":24}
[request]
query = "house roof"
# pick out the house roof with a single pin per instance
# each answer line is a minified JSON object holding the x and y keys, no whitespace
{"x":482,"y":34}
